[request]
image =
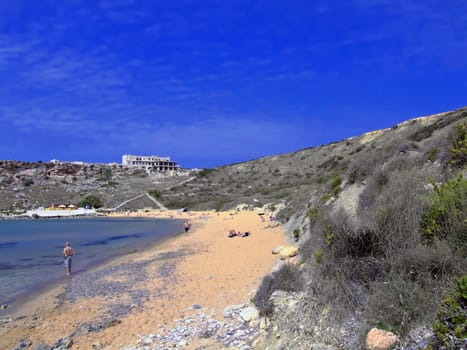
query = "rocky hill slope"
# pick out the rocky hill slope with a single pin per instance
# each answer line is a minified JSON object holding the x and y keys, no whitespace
{"x":28,"y":185}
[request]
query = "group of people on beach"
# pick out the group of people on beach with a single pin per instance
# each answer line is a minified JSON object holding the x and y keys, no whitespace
{"x":233,"y":233}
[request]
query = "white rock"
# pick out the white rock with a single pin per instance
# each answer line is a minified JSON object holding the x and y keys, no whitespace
{"x":249,"y":313}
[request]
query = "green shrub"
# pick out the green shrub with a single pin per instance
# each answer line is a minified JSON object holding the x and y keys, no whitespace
{"x":319,"y":255}
{"x":313,"y":213}
{"x":91,"y":200}
{"x":155,"y":193}
{"x":296,"y":234}
{"x":450,"y":324}
{"x":335,"y":186}
{"x":445,"y":218}
{"x":205,"y":172}
{"x":433,"y":154}
{"x":330,"y":236}
{"x":458,"y":149}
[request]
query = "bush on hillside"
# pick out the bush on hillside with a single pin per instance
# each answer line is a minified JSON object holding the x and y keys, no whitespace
{"x":91,"y":200}
{"x":374,"y":187}
{"x":288,"y":278}
{"x":155,"y":193}
{"x":450,"y":324}
{"x":427,"y":130}
{"x":445,"y":218}
{"x":205,"y":172}
{"x":378,"y":261}
{"x":458,"y":150}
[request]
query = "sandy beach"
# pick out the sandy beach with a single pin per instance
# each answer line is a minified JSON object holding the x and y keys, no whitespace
{"x":148,"y":292}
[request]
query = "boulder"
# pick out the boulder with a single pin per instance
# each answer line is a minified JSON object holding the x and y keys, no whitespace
{"x":288,"y":252}
{"x":250,"y":313}
{"x":377,"y":339}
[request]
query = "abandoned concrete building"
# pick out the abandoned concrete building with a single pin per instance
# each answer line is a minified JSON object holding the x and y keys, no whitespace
{"x":155,"y":163}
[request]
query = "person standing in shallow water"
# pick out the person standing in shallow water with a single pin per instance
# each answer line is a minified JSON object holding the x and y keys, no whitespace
{"x":68,"y":252}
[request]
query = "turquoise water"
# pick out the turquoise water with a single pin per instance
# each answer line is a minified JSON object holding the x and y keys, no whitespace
{"x":31,"y":251}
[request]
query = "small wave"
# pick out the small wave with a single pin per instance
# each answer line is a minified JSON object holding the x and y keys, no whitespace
{"x":9,"y":267}
{"x":114,"y":238}
{"x":107,"y":240}
{"x":98,"y":242}
{"x":8,"y":244}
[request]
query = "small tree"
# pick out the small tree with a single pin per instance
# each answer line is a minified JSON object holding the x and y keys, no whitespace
{"x":296,"y":234}
{"x":91,"y":200}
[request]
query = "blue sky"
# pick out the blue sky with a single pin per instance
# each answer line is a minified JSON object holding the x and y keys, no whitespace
{"x":210,"y":83}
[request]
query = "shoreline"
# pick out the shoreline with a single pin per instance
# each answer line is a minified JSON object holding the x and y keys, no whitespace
{"x":13,"y":299}
{"x":203,"y":267}
{"x":58,"y":287}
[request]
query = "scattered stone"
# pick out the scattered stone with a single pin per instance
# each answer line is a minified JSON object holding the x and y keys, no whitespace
{"x":42,"y":346}
{"x":62,"y":344}
{"x":197,"y":306}
{"x":378,"y":339}
{"x":7,"y":319}
{"x":232,"y":333}
{"x":22,"y":344}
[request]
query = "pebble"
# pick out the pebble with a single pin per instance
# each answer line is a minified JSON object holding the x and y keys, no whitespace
{"x":230,"y":333}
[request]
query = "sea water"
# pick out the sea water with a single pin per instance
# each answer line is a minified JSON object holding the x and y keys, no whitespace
{"x":31,"y":251}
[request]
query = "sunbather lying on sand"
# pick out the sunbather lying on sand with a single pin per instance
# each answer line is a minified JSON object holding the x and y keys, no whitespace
{"x":232,"y":233}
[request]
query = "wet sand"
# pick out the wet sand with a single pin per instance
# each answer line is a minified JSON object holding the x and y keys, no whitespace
{"x":142,"y":293}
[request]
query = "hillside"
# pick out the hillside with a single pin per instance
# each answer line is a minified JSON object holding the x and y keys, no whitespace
{"x":28,"y":185}
{"x":379,"y":219}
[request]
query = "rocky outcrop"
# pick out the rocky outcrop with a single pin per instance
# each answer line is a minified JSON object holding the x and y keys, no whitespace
{"x":378,"y":339}
{"x":288,"y":252}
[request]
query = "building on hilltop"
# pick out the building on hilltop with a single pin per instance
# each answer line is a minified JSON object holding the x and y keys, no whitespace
{"x":156,"y":163}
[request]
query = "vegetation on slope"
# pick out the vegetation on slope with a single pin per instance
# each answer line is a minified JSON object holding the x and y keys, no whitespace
{"x":392,"y":260}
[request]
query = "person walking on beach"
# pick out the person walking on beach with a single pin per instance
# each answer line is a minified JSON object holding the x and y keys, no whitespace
{"x":68,"y":252}
{"x":186,"y":226}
